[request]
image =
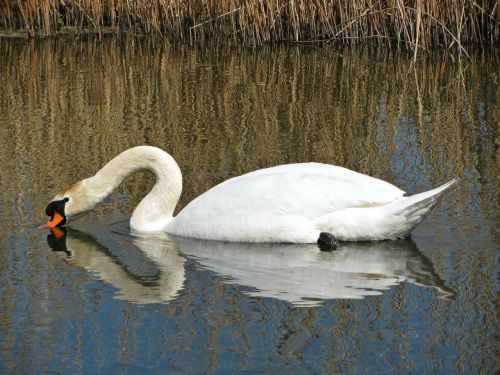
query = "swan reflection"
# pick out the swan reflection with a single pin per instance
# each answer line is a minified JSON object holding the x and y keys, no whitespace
{"x":297,"y":273}
{"x":82,"y":250}
{"x":303,"y":275}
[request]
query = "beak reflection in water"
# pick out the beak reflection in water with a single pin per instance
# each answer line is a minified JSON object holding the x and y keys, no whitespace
{"x":161,"y":285}
{"x":299,"y":274}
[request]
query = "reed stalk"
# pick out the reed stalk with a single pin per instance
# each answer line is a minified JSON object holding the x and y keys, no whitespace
{"x":416,"y":24}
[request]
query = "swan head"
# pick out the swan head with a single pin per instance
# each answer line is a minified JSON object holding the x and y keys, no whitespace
{"x":70,"y":203}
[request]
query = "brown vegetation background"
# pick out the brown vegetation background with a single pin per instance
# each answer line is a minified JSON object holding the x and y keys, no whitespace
{"x":410,"y":23}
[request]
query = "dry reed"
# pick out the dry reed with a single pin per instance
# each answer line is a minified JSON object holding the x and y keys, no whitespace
{"x":411,"y":23}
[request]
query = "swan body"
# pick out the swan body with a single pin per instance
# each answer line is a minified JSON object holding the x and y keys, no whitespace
{"x":286,"y":203}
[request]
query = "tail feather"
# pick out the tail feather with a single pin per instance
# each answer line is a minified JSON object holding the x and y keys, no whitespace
{"x":389,"y":221}
{"x":416,"y":207}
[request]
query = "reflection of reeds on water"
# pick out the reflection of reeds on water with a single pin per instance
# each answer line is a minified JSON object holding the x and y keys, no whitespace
{"x":223,"y":114}
{"x":67,"y":107}
{"x":411,"y":22}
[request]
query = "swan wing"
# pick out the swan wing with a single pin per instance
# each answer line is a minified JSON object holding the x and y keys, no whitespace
{"x":279,"y":203}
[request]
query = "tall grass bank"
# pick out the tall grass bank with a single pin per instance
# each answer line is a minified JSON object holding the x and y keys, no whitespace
{"x":413,"y":24}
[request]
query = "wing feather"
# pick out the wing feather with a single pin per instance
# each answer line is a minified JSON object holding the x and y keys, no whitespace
{"x":280,"y":199}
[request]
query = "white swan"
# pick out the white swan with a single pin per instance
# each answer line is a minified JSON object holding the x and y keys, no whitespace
{"x":288,"y":203}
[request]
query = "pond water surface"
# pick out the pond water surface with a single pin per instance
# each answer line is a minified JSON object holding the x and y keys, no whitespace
{"x":95,"y":299}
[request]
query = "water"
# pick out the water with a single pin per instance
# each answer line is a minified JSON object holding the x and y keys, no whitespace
{"x":94,"y":299}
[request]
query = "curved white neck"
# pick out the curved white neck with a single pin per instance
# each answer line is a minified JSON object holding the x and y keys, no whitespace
{"x":156,"y":209}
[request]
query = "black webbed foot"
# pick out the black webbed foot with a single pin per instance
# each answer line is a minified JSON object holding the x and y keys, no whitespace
{"x":327,"y":242}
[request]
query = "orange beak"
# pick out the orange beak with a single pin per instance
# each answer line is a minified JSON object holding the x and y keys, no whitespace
{"x":58,"y":233}
{"x":55,"y":220}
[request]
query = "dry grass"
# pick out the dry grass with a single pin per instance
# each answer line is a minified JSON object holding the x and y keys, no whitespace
{"x":409,"y":23}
